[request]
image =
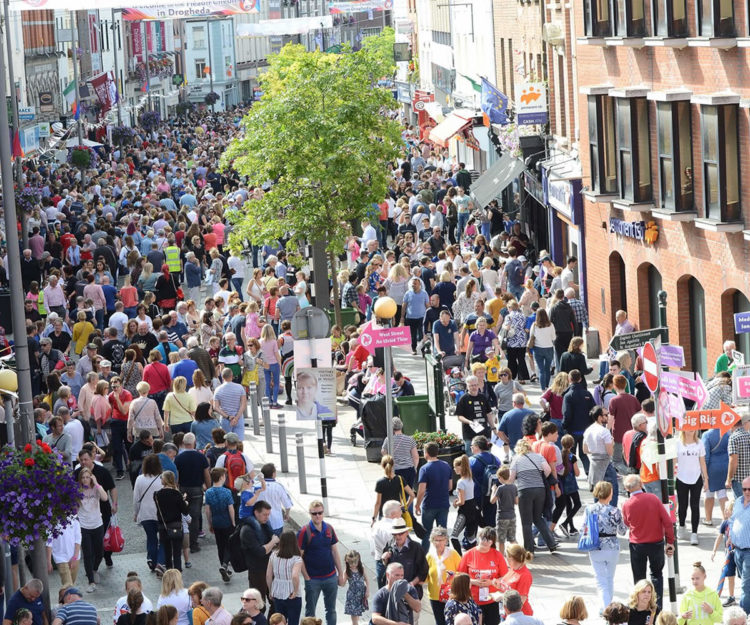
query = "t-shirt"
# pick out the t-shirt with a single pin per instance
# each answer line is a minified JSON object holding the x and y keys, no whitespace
{"x":229,"y":396}
{"x":520,"y":580}
{"x":77,"y":613}
{"x":622,"y":408}
{"x":380,"y":601}
{"x":473,"y":408}
{"x":511,"y":424}
{"x":506,"y":501}
{"x":478,"y":565}
{"x":179,"y":406}
{"x":218,"y":499}
{"x":688,"y":461}
{"x":445,"y":335}
{"x":316,"y":545}
{"x":246,"y":495}
{"x":121,"y":607}
{"x":389,"y":489}
{"x":435,"y":475}
{"x":18,"y":601}
{"x":191,"y":465}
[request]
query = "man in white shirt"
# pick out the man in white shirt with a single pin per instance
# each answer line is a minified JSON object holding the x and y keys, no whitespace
{"x":368,"y":233}
{"x":237,"y":269}
{"x":277,"y":496}
{"x":568,"y":275}
{"x":381,"y":535}
{"x":599,"y":445}
{"x":65,"y":551}
{"x":119,"y":320}
{"x":121,"y":607}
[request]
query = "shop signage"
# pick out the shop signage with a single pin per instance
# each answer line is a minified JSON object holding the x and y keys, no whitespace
{"x":44,"y":130}
{"x":631,"y":229}
{"x":559,"y":196}
{"x":741,"y":385}
{"x":742,"y":322}
{"x":46,"y":102}
{"x":26,"y":113}
{"x":403,"y":92}
{"x":533,"y":186}
{"x":531,"y":107}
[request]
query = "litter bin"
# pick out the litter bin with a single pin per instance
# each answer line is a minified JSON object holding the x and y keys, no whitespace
{"x":348,"y":316}
{"x":415,"y":413}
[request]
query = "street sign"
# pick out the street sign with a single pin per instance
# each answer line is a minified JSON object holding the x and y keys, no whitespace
{"x":650,"y":367}
{"x":392,"y":337}
{"x":44,"y":130}
{"x":26,"y":113}
{"x":634,"y":340}
{"x":724,"y":418}
{"x":672,"y":356}
{"x":310,"y":323}
{"x":664,"y":417}
{"x":367,"y":337}
{"x":741,"y":385}
{"x":742,"y":322}
{"x":686,"y":384}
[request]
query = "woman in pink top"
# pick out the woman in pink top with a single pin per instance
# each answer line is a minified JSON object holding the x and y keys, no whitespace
{"x":218,"y":229}
{"x":272,"y":364}
{"x":94,"y":292}
{"x":252,"y":330}
{"x":129,"y":298}
{"x":552,"y":399}
{"x":101,"y":409}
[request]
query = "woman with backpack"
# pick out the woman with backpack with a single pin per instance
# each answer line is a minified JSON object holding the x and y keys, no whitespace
{"x":606,"y":553}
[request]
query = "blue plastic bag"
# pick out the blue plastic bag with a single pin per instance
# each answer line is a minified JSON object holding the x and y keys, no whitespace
{"x":589,"y":536}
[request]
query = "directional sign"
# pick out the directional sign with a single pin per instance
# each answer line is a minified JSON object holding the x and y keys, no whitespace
{"x":724,"y":418}
{"x":634,"y":340}
{"x":742,"y":322}
{"x":664,"y":418}
{"x":741,"y":384}
{"x":392,"y":337}
{"x":686,"y":384}
{"x":672,"y":356}
{"x":367,"y":338}
{"x":650,"y":367}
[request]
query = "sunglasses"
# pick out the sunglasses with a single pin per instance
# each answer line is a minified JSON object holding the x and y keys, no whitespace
{"x":503,"y":375}
{"x":248,"y":598}
{"x":745,"y":490}
{"x":319,"y":513}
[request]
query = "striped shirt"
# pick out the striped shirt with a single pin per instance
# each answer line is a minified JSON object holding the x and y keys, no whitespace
{"x":402,"y":446}
{"x":527,"y":469}
{"x":77,"y":613}
{"x":229,"y":395}
{"x":739,"y":445}
{"x":282,"y":585}
{"x":739,"y":524}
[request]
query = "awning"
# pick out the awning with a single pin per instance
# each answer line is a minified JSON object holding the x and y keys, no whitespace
{"x":435,"y":110}
{"x":492,"y":182}
{"x":448,"y":128}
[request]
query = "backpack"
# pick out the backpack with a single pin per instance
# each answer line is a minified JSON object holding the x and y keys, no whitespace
{"x":234,"y":463}
{"x":634,"y":461}
{"x":236,"y":556}
{"x":490,"y":471}
{"x":589,"y":539}
{"x":515,"y":272}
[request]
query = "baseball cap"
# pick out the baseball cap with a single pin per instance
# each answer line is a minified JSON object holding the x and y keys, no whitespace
{"x":72,"y":591}
{"x":522,"y":258}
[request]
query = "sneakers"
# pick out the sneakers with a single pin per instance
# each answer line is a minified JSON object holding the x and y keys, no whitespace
{"x":681,"y":532}
{"x":97,"y":579}
{"x":91,"y":588}
{"x":710,"y":523}
{"x":120,"y":475}
{"x":188,"y":565}
{"x":224,"y":575}
{"x":730,"y":601}
{"x":201,"y":534}
{"x":694,"y":539}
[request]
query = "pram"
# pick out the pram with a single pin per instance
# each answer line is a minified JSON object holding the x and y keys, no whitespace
{"x":454,"y":384}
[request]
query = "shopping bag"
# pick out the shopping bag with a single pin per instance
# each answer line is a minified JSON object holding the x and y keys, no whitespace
{"x":114,"y":541}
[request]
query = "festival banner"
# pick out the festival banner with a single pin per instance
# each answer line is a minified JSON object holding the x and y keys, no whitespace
{"x":188,"y":9}
{"x":352,"y":6}
{"x":105,"y":89}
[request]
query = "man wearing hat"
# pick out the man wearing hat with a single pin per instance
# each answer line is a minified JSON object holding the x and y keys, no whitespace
{"x":86,"y":362}
{"x":408,"y":553}
{"x":75,"y":610}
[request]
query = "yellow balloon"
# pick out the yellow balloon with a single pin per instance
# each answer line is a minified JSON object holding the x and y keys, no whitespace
{"x":8,"y":380}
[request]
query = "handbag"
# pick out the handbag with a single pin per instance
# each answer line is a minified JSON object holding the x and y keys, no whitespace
{"x":405,"y":514}
{"x":177,"y":289}
{"x":114,"y":541}
{"x":532,"y":339}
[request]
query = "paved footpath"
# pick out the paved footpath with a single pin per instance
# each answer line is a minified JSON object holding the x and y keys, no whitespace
{"x":351,"y":482}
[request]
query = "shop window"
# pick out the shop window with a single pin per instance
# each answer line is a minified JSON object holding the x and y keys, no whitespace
{"x":630,"y":19}
{"x":698,"y":351}
{"x":602,"y":144}
{"x":741,"y":304}
{"x":716,"y":18}
{"x":721,"y":162}
{"x":654,"y":286}
{"x":597,"y":20}
{"x":675,"y":145}
{"x":671,"y":18}
{"x":633,"y":150}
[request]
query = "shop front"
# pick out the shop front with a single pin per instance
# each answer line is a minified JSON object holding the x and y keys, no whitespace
{"x":534,"y":212}
{"x":566,"y":228}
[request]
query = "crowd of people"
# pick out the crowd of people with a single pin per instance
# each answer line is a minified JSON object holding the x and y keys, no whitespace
{"x":146,"y":332}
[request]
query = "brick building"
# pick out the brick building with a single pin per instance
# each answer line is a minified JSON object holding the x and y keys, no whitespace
{"x":665,"y":129}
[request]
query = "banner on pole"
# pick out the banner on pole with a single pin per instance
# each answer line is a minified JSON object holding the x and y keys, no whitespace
{"x":105,"y":89}
{"x":188,"y":9}
{"x":278,"y":28}
{"x":352,"y":6}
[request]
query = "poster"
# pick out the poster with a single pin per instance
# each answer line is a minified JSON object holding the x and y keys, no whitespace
{"x":531,"y":106}
{"x":306,"y":350}
{"x":188,"y":9}
{"x":316,"y":393}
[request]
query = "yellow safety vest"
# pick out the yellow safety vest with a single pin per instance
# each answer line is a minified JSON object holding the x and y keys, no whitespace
{"x":173,"y":258}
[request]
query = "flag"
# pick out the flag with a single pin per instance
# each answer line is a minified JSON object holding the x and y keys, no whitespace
{"x":494,"y":103}
{"x":71,"y":97}
{"x":477,"y":87}
{"x":17,"y":149}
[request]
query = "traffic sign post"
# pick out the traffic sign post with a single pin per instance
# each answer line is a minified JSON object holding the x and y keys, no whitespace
{"x":724,"y":418}
{"x":650,"y":367}
{"x":634,"y":340}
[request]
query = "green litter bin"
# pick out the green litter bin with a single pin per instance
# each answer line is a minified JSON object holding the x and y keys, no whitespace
{"x":415,"y":413}
{"x":348,"y":316}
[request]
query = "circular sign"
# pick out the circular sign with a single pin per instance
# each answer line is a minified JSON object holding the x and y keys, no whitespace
{"x":664,"y":416}
{"x":650,"y":367}
{"x":310,"y":323}
{"x":177,"y":79}
{"x":419,"y":105}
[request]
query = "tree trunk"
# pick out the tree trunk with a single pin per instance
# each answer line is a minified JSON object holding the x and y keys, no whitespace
{"x":336,"y":298}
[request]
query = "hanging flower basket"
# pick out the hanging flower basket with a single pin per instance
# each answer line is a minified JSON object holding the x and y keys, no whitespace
{"x":122,"y":135}
{"x":149,"y":120}
{"x":185,"y":107}
{"x":28,"y":198}
{"x":38,"y":494}
{"x":211,"y":98}
{"x":82,"y":156}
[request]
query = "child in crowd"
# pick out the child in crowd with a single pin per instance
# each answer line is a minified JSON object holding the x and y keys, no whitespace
{"x":729,"y":570}
{"x":700,"y":605}
{"x":249,"y":491}
{"x":220,"y":518}
{"x":359,"y":590}
{"x":505,"y":495}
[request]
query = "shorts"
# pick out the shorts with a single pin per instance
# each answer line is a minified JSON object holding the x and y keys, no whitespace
{"x":721,"y":494}
{"x":730,"y":567}
{"x":506,"y":530}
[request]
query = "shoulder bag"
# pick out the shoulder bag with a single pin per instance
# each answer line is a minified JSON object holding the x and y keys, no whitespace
{"x":173,"y":529}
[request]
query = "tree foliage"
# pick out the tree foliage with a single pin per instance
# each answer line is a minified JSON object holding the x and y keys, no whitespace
{"x":380,"y":51}
{"x":319,"y":133}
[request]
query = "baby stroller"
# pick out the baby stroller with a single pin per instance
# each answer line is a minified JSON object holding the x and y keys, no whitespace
{"x":455,"y":387}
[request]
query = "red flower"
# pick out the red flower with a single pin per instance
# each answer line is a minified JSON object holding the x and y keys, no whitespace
{"x":29,"y":462}
{"x":46,"y":448}
{"x":27,"y":449}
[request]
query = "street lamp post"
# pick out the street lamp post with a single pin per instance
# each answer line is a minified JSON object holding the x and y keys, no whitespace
{"x":385,"y":309}
{"x":116,"y":31}
{"x":210,"y":66}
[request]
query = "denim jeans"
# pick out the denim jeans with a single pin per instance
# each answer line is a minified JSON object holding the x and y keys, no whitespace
{"x":154,"y":550}
{"x":652,"y":554}
{"x":516,"y":290}
{"x":463,"y":219}
{"x":238,"y":429}
{"x":273,"y":371}
{"x":330,"y":588}
{"x":604,"y":562}
{"x":119,"y":432}
{"x":430,"y":517}
{"x":737,"y":489}
{"x":742,"y":560}
{"x":195,"y":502}
{"x":543,"y":357}
{"x":380,"y":572}
{"x":290,"y":608}
{"x":237,"y":284}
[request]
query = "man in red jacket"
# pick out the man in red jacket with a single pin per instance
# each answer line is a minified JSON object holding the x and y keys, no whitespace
{"x":622,"y":407}
{"x":647,"y":537}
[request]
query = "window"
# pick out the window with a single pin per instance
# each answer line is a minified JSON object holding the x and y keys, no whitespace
{"x":440,"y":36}
{"x":199,"y":37}
{"x":721,"y":162}
{"x":633,"y":150}
{"x":671,"y":18}
{"x":630,"y":20}
{"x":602,"y":144}
{"x":200,"y":68}
{"x":442,"y":78}
{"x":716,"y":18}
{"x":675,"y":145}
{"x":596,"y":18}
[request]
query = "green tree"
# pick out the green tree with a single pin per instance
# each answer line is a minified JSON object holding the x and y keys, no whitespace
{"x":379,"y":50}
{"x":320,"y":134}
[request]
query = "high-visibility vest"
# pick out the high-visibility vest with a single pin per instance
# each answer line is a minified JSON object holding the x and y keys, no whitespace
{"x":173,"y":258}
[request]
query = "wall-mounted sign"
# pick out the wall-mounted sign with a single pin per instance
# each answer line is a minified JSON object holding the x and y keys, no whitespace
{"x":46,"y":102}
{"x":531,"y":107}
{"x":631,"y":229}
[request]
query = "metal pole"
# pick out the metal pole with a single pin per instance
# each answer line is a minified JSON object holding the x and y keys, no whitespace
{"x":9,"y":421}
{"x":322,"y":463}
{"x":7,"y":562}
{"x":145,"y":63}
{"x":301,"y":463}
{"x":116,"y":30}
{"x":210,"y":63}
{"x":16,"y":301}
{"x":388,"y":395}
{"x":266,"y":410}
{"x":14,"y":99}
{"x":79,"y":126}
{"x":282,"y":444}
{"x":254,"y":408}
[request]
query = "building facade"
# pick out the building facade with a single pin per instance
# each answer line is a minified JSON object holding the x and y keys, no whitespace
{"x":666,"y":130}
